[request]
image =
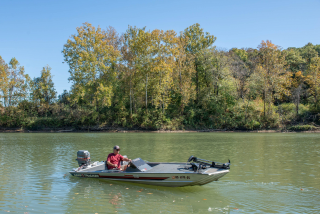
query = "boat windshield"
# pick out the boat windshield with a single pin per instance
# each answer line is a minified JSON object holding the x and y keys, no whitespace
{"x":141,"y":164}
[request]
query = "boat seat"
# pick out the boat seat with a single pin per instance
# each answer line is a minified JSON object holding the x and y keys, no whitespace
{"x":123,"y":163}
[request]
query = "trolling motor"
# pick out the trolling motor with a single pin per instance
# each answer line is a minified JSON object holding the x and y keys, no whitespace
{"x":83,"y":158}
{"x":202,"y":163}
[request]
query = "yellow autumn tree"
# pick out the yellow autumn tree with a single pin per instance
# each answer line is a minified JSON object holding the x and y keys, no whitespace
{"x":183,"y":73}
{"x":14,"y":84}
{"x":4,"y":81}
{"x":92,"y":58}
{"x":163,"y":64}
{"x":313,"y":79}
{"x":272,"y":73}
{"x":297,"y":82}
{"x":136,"y":62}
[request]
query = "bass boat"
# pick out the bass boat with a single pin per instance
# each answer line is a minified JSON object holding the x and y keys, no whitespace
{"x":195,"y":171}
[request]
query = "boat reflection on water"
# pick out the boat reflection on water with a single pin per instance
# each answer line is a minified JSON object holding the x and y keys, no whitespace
{"x":116,"y":199}
{"x":102,"y":196}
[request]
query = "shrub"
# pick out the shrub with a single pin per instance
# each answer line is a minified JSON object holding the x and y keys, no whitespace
{"x":302,"y":128}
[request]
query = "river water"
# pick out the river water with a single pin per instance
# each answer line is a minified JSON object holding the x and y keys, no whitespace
{"x":270,"y":172}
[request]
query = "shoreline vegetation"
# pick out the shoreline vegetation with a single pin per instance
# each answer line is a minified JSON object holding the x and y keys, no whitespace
{"x":122,"y":130}
{"x":158,"y":131}
{"x":164,"y":81}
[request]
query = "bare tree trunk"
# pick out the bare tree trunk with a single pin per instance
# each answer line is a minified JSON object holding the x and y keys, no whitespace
{"x":180,"y":77}
{"x":97,"y":109}
{"x":181,"y":92}
{"x":217,"y":89}
{"x":297,"y":107}
{"x":315,"y":92}
{"x":245,"y":115}
{"x":162,"y":106}
{"x":225,"y":108}
{"x":298,"y":99}
{"x":197,"y":84}
{"x":130,"y":100}
{"x":264,"y":103}
{"x":133,"y":102}
{"x":161,"y":102}
{"x":147,"y":93}
{"x":10,"y":96}
{"x":315,"y":89}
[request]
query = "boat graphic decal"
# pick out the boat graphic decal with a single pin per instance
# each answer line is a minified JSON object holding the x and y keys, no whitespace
{"x":132,"y":177}
{"x":86,"y":175}
{"x":181,"y":177}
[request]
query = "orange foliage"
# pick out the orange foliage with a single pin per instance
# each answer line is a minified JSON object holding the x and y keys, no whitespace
{"x":268,"y":44}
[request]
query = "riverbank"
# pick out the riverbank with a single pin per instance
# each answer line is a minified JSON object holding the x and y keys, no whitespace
{"x":121,"y":130}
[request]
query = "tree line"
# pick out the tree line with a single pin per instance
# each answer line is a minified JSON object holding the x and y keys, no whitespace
{"x":166,"y":80}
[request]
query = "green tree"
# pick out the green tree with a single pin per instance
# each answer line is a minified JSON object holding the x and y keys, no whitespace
{"x":294,"y":60}
{"x":64,"y":97}
{"x":197,"y":41}
{"x":238,"y":59}
{"x":218,"y":91}
{"x":43,"y":90}
{"x":241,"y":53}
{"x":308,"y":52}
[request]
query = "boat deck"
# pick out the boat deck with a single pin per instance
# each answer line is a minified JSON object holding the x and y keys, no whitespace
{"x":178,"y":168}
{"x":169,"y":168}
{"x":157,"y":168}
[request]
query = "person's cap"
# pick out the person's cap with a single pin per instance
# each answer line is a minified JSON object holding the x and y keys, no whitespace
{"x":116,"y":147}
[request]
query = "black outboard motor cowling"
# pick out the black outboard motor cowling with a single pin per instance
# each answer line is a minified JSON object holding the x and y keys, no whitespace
{"x":83,"y":157}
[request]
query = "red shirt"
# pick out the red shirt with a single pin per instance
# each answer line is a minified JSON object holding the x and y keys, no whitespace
{"x":114,"y":159}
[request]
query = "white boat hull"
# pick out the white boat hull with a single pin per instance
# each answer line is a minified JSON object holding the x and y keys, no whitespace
{"x":175,"y":176}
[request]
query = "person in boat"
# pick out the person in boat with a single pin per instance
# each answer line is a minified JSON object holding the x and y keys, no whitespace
{"x":113,"y":160}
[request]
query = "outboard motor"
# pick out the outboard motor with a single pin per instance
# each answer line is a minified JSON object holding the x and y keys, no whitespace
{"x":83,"y":157}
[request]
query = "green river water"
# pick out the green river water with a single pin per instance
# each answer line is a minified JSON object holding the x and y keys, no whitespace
{"x":270,"y":173}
